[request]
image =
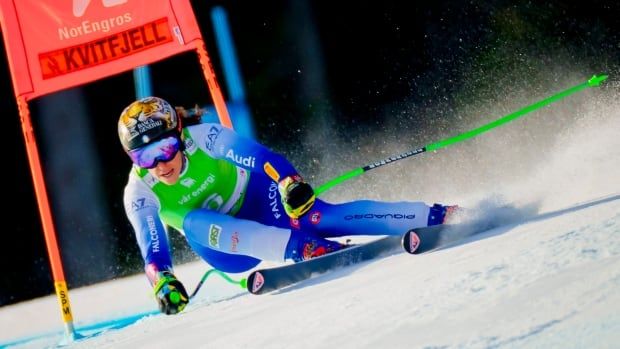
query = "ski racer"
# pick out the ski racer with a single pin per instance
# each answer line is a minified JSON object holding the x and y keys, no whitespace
{"x":236,"y":202}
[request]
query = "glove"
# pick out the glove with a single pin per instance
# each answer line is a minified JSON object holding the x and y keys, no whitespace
{"x":190,"y":116}
{"x":297,"y":196}
{"x":170,"y":293}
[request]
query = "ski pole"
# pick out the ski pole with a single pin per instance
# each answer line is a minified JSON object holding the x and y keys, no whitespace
{"x":594,"y":81}
{"x":242,"y":283}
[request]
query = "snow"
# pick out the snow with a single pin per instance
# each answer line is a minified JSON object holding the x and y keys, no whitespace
{"x":547,"y":277}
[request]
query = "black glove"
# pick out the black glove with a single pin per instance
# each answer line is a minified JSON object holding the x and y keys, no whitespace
{"x":190,"y":116}
{"x":170,"y":293}
{"x":297,"y":196}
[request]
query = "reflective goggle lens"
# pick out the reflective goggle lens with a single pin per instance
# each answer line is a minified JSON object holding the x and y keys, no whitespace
{"x":163,"y":150}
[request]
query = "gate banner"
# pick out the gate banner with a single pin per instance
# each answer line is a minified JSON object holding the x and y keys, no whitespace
{"x":57,"y":44}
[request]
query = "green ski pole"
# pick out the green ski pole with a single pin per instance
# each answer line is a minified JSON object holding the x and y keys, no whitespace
{"x":242,"y":283}
{"x":594,"y":81}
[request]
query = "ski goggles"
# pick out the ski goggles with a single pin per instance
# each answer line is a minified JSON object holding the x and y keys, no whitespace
{"x":151,"y":154}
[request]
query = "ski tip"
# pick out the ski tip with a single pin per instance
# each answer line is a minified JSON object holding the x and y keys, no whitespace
{"x":411,"y":241}
{"x":255,"y":282}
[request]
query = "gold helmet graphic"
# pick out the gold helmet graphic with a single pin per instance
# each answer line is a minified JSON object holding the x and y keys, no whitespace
{"x":146,"y":120}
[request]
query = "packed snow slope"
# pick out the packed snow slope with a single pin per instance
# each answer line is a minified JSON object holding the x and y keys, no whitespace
{"x":547,"y":276}
{"x":552,"y":281}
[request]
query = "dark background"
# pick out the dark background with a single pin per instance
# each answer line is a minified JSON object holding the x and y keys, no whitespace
{"x":314,"y":71}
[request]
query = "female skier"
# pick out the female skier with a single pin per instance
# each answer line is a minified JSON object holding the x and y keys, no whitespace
{"x":236,"y":202}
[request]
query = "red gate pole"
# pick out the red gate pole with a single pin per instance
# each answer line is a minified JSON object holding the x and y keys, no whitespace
{"x":214,"y":87}
{"x":62,"y":292}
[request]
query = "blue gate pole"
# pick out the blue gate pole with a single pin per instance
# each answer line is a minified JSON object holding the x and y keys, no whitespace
{"x":142,"y":81}
{"x":232,"y":74}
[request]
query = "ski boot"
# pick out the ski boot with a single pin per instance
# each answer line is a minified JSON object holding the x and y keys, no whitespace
{"x":303,"y":246}
{"x":440,"y":214}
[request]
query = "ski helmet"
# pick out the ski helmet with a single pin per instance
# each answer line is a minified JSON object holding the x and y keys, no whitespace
{"x":146,"y":120}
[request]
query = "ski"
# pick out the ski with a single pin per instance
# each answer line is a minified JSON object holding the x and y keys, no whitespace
{"x":271,"y":279}
{"x":421,"y":240}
